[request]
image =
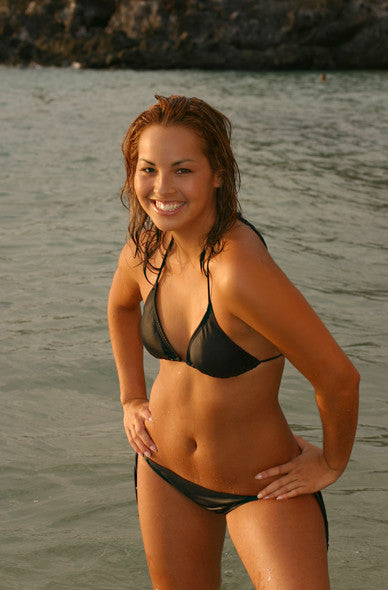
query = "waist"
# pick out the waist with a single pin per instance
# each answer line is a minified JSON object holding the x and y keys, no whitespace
{"x":219,"y":439}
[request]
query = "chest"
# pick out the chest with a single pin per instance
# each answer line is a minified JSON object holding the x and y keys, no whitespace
{"x":181,"y":302}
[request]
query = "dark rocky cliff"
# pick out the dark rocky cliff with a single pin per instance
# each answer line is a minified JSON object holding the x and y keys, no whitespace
{"x":213,"y":34}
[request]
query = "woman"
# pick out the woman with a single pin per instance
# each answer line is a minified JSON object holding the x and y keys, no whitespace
{"x":213,"y":445}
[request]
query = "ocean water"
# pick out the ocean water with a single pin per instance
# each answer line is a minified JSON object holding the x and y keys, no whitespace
{"x":313,"y":159}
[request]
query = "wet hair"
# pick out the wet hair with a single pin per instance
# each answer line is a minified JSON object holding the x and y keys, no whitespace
{"x":214,"y":130}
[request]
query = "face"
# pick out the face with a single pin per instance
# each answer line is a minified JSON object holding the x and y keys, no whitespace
{"x":174,"y":182}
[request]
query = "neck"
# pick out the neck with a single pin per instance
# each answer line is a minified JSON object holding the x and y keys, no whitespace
{"x":187,"y":250}
{"x":188,"y":244}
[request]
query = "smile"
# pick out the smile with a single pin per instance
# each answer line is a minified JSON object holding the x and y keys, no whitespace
{"x":167,"y":207}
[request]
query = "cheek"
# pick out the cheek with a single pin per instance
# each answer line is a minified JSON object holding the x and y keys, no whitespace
{"x":136,"y":182}
{"x":139,"y":185}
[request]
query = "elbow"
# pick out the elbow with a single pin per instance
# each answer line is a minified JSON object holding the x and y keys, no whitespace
{"x":343,"y":381}
{"x":351,"y":379}
{"x":348,"y":381}
{"x":356,"y":378}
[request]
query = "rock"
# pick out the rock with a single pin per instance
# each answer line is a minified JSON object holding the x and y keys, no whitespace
{"x":222,"y":34}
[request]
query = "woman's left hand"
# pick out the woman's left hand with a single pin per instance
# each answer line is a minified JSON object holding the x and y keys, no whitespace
{"x":305,"y":474}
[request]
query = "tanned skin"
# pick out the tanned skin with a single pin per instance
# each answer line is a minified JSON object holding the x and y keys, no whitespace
{"x":230,"y":434}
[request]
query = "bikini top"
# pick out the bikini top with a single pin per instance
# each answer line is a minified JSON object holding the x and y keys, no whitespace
{"x":210,"y":350}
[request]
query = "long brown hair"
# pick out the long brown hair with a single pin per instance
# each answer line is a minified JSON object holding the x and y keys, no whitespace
{"x":214,"y":129}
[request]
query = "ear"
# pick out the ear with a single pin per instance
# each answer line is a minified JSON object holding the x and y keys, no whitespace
{"x":218,"y":179}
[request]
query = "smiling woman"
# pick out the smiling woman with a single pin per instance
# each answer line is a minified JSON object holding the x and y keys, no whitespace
{"x":176,"y":192}
{"x":213,"y":131}
{"x":214,"y":447}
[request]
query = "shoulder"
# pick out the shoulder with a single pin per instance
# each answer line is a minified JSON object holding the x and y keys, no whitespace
{"x":133,"y":263}
{"x":131,"y":256}
{"x":243,"y":259}
{"x":250,"y":284}
{"x":125,"y":290}
{"x":129,"y":259}
{"x":129,"y":273}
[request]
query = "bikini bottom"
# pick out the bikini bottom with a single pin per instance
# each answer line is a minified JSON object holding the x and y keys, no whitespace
{"x":218,"y":502}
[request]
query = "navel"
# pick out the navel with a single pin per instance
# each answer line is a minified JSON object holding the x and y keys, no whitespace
{"x":192,"y":445}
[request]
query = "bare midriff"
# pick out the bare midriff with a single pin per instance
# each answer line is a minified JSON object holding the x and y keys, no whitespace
{"x":219,"y":433}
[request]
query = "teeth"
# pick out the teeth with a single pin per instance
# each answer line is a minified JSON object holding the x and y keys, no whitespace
{"x":166,"y":206}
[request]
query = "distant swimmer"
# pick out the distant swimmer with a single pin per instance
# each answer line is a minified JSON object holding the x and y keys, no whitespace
{"x":322,"y":78}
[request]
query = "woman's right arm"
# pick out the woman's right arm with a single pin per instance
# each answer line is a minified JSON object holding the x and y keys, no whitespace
{"x":124,"y":316}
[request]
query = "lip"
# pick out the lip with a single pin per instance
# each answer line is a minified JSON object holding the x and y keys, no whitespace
{"x":166,"y":207}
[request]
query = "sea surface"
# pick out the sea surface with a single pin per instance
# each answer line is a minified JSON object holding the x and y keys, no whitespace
{"x":313,"y":159}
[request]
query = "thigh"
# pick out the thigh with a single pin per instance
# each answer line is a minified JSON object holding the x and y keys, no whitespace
{"x":182,"y":541}
{"x":282,"y":543}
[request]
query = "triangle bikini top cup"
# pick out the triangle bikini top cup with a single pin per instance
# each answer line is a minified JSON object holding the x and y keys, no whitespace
{"x":210,"y":350}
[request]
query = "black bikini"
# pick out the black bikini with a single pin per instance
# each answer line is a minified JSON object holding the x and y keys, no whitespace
{"x":210,"y":350}
{"x":217,"y":502}
{"x":213,"y":353}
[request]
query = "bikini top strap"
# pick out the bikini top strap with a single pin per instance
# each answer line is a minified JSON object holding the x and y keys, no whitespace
{"x":208,"y":280}
{"x":163,"y":262}
{"x":241,"y":218}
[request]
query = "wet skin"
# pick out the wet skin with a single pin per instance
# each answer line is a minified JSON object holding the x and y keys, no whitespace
{"x":228,"y":434}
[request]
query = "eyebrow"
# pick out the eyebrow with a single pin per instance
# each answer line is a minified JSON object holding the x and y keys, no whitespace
{"x":178,"y":163}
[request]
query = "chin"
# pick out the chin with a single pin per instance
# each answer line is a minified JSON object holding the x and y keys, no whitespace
{"x":168,"y":222}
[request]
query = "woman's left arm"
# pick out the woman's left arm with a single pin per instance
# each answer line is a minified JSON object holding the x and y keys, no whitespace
{"x":265,"y":299}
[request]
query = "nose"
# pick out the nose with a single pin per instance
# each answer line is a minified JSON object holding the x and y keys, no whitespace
{"x":164,"y":185}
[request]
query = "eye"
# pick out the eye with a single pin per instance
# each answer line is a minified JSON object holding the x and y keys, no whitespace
{"x":183,"y":171}
{"x":148,"y":170}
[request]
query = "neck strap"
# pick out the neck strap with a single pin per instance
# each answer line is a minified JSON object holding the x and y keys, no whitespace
{"x":164,"y":261}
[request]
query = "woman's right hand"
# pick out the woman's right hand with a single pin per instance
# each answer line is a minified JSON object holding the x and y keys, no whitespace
{"x":136,"y":416}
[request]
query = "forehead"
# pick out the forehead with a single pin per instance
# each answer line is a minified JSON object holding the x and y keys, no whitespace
{"x":171,"y":140}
